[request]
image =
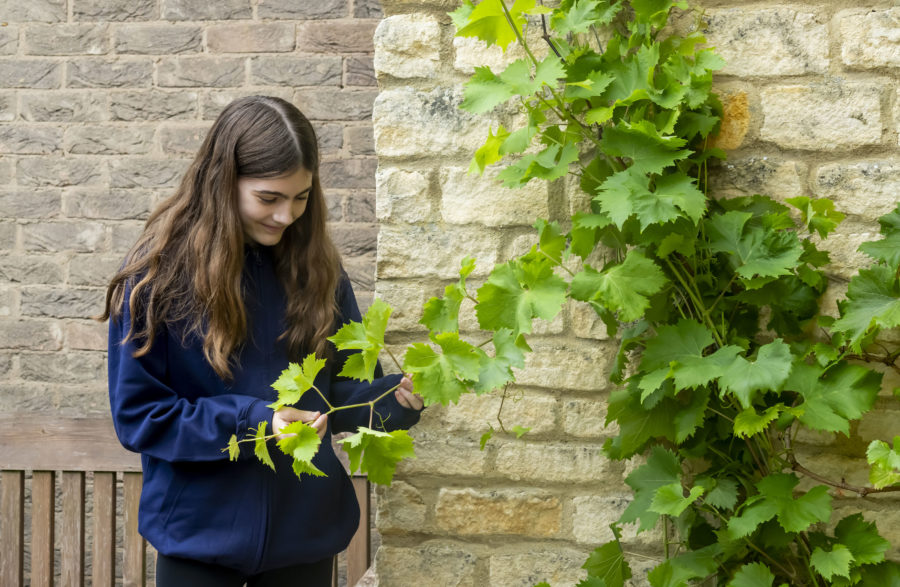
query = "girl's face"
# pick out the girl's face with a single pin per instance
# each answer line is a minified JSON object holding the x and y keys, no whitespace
{"x":267,"y":206}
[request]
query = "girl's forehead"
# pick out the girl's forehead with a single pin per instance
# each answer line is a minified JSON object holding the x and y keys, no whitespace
{"x":291,"y":183}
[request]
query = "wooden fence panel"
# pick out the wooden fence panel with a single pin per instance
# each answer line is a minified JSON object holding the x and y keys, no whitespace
{"x":12,"y":516}
{"x":103,"y":559}
{"x":72,"y":530}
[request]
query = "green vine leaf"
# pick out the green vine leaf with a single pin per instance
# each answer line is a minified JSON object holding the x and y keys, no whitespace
{"x":680,"y":570}
{"x":509,"y":352}
{"x":296,"y":380}
{"x":886,"y":250}
{"x":670,"y":499}
{"x":754,"y":251}
{"x":885,"y":462}
{"x":260,"y":447}
{"x":649,"y":151}
{"x":624,"y":288}
{"x":607,"y":563}
{"x":753,"y":575}
{"x":834,"y":563}
{"x":818,"y":215}
{"x":832,"y":400}
{"x":862,"y":539}
{"x":578,"y":16}
{"x":768,"y":372}
{"x":776,"y":499}
{"x":301,"y":443}
{"x":366,"y":336}
{"x":376,"y":454}
{"x":873,"y":301}
{"x":442,"y":314}
{"x":443,"y":377}
{"x":661,"y":469}
{"x":487,"y":21}
{"x":750,"y":422}
{"x":234,"y":449}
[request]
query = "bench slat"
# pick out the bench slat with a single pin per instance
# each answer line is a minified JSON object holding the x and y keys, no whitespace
{"x":134,"y":573}
{"x":359,"y":550}
{"x":12,"y":513}
{"x":43,"y":503}
{"x":103,"y":563}
{"x":35,"y":442}
{"x":72,"y":539}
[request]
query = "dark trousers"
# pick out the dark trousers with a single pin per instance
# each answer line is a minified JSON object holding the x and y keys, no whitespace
{"x":180,"y":572}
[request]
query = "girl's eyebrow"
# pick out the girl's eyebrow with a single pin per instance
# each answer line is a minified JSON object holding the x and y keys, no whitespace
{"x":280,"y":194}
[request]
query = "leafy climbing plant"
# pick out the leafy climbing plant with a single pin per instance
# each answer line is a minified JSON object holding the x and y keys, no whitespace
{"x":725,"y":355}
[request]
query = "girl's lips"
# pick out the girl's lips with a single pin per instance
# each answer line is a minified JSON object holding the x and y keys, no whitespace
{"x":272,"y":229}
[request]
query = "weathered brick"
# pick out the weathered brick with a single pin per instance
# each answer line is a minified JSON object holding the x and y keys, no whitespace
{"x":109,"y":140}
{"x":7,"y":235}
{"x":61,"y":303}
{"x":843,"y":247}
{"x":92,"y":270}
{"x":112,"y":204}
{"x":593,"y":515}
{"x":822,"y":116}
{"x":406,"y":298}
{"x":470,"y":52}
{"x":115,"y":10}
{"x":74,"y":39}
{"x":32,"y":334}
{"x":9,"y":40}
{"x":30,"y":203}
{"x":433,"y":251}
{"x":6,"y":365}
{"x":275,"y":37}
{"x":560,"y":567}
{"x":586,"y":418}
{"x":56,"y":171}
{"x":216,"y":72}
{"x":124,"y":235}
{"x":33,"y":11}
{"x":768,"y":41}
{"x":330,"y":137}
{"x":845,"y":183}
{"x":79,"y":367}
{"x":214,"y":101}
{"x":585,"y":322}
{"x":330,"y":104}
{"x":576,"y":365}
{"x":470,"y":512}
{"x":361,"y":269}
{"x":360,"y":206}
{"x":410,"y":123}
{"x":86,"y":335}
{"x":296,"y":71}
{"x":109,"y":73}
{"x":526,"y":461}
{"x":400,"y":509}
{"x":476,"y":413}
{"x":869,"y":38}
{"x":6,"y":169}
{"x":7,"y":107}
{"x":64,"y":106}
{"x":348,"y":173}
{"x":40,"y":74}
{"x":360,"y":71}
{"x":473,"y":199}
{"x":403,"y":196}
{"x":284,"y":9}
{"x":440,"y":456}
{"x":367,"y":9}
{"x":334,"y":203}
{"x":30,"y":140}
{"x":408,"y":45}
{"x":51,"y":237}
{"x":8,"y":301}
{"x":746,"y":176}
{"x":30,"y":270}
{"x":360,"y":140}
{"x":153,"y":105}
{"x":89,"y":399}
{"x":432,"y":563}
{"x":192,"y":10}
{"x":145,"y":173}
{"x":358,"y":239}
{"x":158,"y":39}
{"x":182,"y":139}
{"x":344,"y":36}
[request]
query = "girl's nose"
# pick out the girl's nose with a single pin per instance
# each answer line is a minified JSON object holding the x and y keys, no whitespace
{"x":283,"y":214}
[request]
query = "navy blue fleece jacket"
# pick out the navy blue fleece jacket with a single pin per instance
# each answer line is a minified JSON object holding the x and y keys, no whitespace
{"x":170,"y":406}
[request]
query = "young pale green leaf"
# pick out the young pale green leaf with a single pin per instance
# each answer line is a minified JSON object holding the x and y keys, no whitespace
{"x":873,"y":301}
{"x":443,"y":377}
{"x":484,"y":91}
{"x":885,"y":462}
{"x":608,"y":563}
{"x":750,"y":422}
{"x":753,"y":575}
{"x":520,"y":431}
{"x":489,"y":23}
{"x":366,"y":336}
{"x":582,"y":15}
{"x":777,"y":499}
{"x":460,"y":16}
{"x":296,"y":380}
{"x":832,"y":400}
{"x":376,"y":454}
{"x":234,"y":449}
{"x":670,"y":499}
{"x":818,"y":215}
{"x":518,"y":292}
{"x":624,"y":288}
{"x":862,"y":539}
{"x":260,"y":447}
{"x":767,"y":373}
{"x":485,"y":437}
{"x":509,"y":352}
{"x":648,"y":150}
{"x":662,"y":468}
{"x":442,"y":314}
{"x":301,"y":444}
{"x":489,"y":152}
{"x":834,"y":563}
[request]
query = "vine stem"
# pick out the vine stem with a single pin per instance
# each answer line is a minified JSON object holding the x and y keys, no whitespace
{"x":393,"y":358}
{"x":697,"y":302}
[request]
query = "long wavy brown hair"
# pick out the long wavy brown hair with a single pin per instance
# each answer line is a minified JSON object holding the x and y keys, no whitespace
{"x":186,"y":266}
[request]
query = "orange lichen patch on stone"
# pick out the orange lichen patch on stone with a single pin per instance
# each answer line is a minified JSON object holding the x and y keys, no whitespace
{"x":735,"y":121}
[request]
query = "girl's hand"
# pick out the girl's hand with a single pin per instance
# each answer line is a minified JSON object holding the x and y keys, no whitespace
{"x":406,"y":396}
{"x":287,"y":415}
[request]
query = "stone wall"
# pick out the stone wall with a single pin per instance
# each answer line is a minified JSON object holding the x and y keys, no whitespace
{"x":813,"y":101}
{"x":102,"y":104}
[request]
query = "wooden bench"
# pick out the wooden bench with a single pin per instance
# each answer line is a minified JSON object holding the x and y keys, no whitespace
{"x":66,"y":452}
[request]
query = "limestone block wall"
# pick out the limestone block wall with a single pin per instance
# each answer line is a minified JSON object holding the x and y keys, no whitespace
{"x":102,"y":104}
{"x":812,"y":96}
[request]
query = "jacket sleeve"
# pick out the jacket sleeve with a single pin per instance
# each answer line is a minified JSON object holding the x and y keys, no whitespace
{"x":151,"y":418}
{"x":390,"y":415}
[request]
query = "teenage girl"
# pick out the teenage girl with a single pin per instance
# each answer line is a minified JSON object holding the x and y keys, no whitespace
{"x":233,"y":277}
